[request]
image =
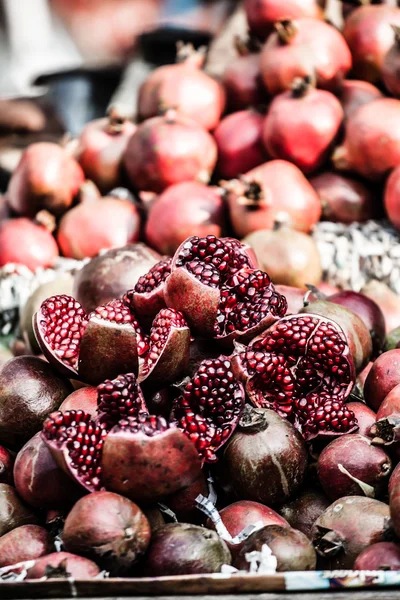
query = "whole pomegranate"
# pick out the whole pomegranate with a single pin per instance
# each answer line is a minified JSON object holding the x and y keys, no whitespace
{"x":390,"y":67}
{"x":6,"y":466}
{"x":383,"y":556}
{"x":185,"y":87}
{"x":392,"y":197}
{"x":307,"y":114}
{"x":183,"y":502}
{"x":64,"y":565}
{"x":27,"y":542}
{"x":276,"y":190}
{"x":242,"y":78}
{"x":365,"y":416}
{"x":102,"y":144}
{"x":263,"y":14}
{"x":39,"y":249}
{"x":344,"y":199}
{"x":13,"y":512}
{"x":239,"y":142}
{"x":29,"y":391}
{"x":302,"y":512}
{"x":289,"y":257}
{"x":355,"y":93}
{"x":369,"y":34}
{"x":167,"y":150}
{"x":383,"y":377}
{"x":388,"y":301}
{"x":300,"y":47}
{"x":108,"y":528}
{"x":394,"y":499}
{"x":191,"y":208}
{"x":371,"y":146}
{"x":45,"y":178}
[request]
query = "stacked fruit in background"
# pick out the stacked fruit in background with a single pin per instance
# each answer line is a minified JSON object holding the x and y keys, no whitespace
{"x":197,"y":354}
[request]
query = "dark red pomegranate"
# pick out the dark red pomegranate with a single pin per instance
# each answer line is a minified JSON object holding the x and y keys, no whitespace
{"x":369,"y":34}
{"x":13,"y":512}
{"x":109,"y":275}
{"x":84,"y":399}
{"x":190,"y":208}
{"x":242,"y":79}
{"x":290,"y":257}
{"x":349,"y":526}
{"x":239,"y":141}
{"x":371,"y":147}
{"x":383,"y":377}
{"x":302,"y":512}
{"x":307,"y":114}
{"x":392,"y":197}
{"x":39,"y":249}
{"x":167,"y":150}
{"x":383,"y":556}
{"x":184,"y":549}
{"x":301,"y":367}
{"x":264,"y":461}
{"x":184,"y":87}
{"x":45,"y":178}
{"x":263,"y":14}
{"x":394,"y":499}
{"x":6,"y":466}
{"x":301,"y":47}
{"x":63,"y":565}
{"x":344,"y":199}
{"x":27,"y":542}
{"x":102,"y":144}
{"x":29,"y":391}
{"x":183,"y":502}
{"x":386,"y":430}
{"x":109,"y":529}
{"x":387,"y":299}
{"x":364,"y":415}
{"x":355,"y":93}
{"x":276,"y":190}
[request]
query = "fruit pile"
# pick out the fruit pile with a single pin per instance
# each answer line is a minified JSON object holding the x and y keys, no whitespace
{"x":187,"y":404}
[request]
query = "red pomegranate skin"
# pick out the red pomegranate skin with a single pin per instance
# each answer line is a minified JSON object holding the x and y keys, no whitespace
{"x":39,"y":249}
{"x":285,"y":194}
{"x":365,"y":416}
{"x":262,"y":14}
{"x":190,"y":208}
{"x":84,"y":398}
{"x":355,"y":93}
{"x":302,"y":512}
{"x":239,"y":141}
{"x":387,"y":299}
{"x":394,"y":499}
{"x":313,"y":46}
{"x":38,"y":479}
{"x":69,"y":564}
{"x":344,"y":199}
{"x":392,"y":197}
{"x":183,"y":502}
{"x":27,"y":542}
{"x":383,"y":377}
{"x":370,"y":36}
{"x":6,"y":466}
{"x":301,"y":127}
{"x":45,"y":178}
{"x":13,"y":512}
{"x":390,"y":405}
{"x":167,"y":150}
{"x":383,"y":556}
{"x":242,"y":82}
{"x":390,"y":68}
{"x":361,"y":459}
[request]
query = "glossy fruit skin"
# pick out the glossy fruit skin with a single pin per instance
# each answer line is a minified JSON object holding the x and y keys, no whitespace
{"x":242,"y":82}
{"x":13,"y":512}
{"x":29,"y":391}
{"x":27,"y":542}
{"x":383,"y":377}
{"x":39,"y":249}
{"x":388,"y":301}
{"x":392,"y":197}
{"x":6,"y":466}
{"x":262,"y":14}
{"x":381,"y":556}
{"x":84,"y":398}
{"x":71,"y":564}
{"x":302,"y":512}
{"x":365,"y":416}
{"x":355,"y":93}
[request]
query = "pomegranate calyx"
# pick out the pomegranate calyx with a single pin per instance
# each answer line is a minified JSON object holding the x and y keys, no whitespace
{"x":286,"y":30}
{"x":328,"y":542}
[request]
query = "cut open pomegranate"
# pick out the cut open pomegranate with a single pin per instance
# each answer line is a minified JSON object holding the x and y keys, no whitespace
{"x":148,"y":294}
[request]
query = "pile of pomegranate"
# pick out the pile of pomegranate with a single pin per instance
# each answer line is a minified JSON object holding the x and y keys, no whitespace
{"x":184,"y":401}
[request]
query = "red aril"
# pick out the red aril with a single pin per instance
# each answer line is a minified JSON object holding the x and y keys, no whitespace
{"x":355,"y":93}
{"x":262,"y":14}
{"x":38,"y":250}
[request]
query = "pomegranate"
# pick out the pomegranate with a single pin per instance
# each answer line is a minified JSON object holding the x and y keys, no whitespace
{"x":239,"y":142}
{"x":183,"y":502}
{"x":27,"y":542}
{"x":355,"y":93}
{"x":299,"y":48}
{"x":167,"y":150}
{"x":213,"y":283}
{"x":82,"y":399}
{"x":45,"y":178}
{"x":183,"y":86}
{"x":307,"y":114}
{"x":263,"y":14}
{"x":102,"y":144}
{"x":39,"y":249}
{"x":264,"y":461}
{"x":148,"y":294}
{"x":386,"y":430}
{"x":242,"y":78}
{"x":29,"y":390}
{"x":154,"y":517}
{"x":394,"y":499}
{"x":388,"y":301}
{"x":390,"y":66}
{"x":349,"y":6}
{"x":344,"y":199}
{"x":109,"y":275}
{"x":296,"y":297}
{"x":301,"y":368}
{"x":368,"y":310}
{"x":276,"y":190}
{"x":109,"y":529}
{"x":289,"y":257}
{"x":184,"y":549}
{"x":91,"y":227}
{"x":383,"y":556}
{"x":302,"y":512}
{"x":39,"y":481}
{"x":392,"y":197}
{"x":13,"y":512}
{"x":63,"y":565}
{"x":349,"y":526}
{"x":383,"y":377}
{"x":6,"y":466}
{"x":292,"y":549}
{"x":371,"y":147}
{"x":191,"y":208}
{"x":370,"y":36}
{"x":364,"y":415}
